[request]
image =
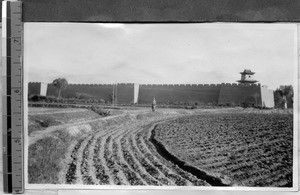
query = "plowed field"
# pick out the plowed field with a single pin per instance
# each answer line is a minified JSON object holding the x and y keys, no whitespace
{"x":111,"y":151}
{"x":122,"y":149}
{"x":248,"y":149}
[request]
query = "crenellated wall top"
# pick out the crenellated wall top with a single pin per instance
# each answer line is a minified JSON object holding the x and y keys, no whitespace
{"x":155,"y":85}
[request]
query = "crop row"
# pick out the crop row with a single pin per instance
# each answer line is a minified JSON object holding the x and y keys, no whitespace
{"x":123,"y":155}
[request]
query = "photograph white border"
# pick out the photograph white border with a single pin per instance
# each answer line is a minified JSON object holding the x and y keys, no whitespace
{"x":180,"y":188}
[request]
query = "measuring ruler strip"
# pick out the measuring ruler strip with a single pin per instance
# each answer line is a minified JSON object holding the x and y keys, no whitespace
{"x":12,"y":29}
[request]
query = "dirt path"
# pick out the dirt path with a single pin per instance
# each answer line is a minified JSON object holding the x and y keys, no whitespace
{"x":35,"y":111}
{"x":37,"y":135}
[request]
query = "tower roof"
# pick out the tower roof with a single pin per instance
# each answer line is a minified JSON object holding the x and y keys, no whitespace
{"x":247,"y":71}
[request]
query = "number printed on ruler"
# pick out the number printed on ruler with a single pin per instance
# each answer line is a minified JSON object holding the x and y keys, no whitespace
{"x":12,"y":29}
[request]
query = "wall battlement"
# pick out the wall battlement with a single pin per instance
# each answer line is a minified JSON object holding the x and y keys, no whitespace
{"x":155,"y":85}
{"x":84,"y":85}
{"x":240,"y":84}
{"x":184,"y":85}
{"x":100,"y":85}
{"x":34,"y":82}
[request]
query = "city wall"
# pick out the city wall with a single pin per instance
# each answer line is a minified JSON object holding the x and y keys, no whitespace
{"x":238,"y":94}
{"x":34,"y":88}
{"x":221,"y":94}
{"x":179,"y":93}
{"x":82,"y":90}
{"x":123,"y":92}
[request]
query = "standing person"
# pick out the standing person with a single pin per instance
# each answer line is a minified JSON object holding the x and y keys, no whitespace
{"x":153,"y":104}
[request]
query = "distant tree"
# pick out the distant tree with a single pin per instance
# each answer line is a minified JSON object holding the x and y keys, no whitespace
{"x":60,"y":84}
{"x":278,"y":98}
{"x":283,"y":94}
{"x":287,"y":90}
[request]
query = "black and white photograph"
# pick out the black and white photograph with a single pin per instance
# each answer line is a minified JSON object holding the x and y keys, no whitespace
{"x":158,"y":105}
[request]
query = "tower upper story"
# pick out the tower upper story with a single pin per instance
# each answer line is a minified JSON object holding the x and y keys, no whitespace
{"x":247,"y":76}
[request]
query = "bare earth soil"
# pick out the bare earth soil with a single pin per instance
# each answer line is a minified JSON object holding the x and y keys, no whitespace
{"x":79,"y":147}
{"x":248,"y":149}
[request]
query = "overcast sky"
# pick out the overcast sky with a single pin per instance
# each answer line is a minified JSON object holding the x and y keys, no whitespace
{"x":160,"y":53}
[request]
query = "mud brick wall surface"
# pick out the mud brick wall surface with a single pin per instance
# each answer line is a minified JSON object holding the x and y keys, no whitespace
{"x":34,"y":88}
{"x":240,"y":93}
{"x":124,"y":92}
{"x":89,"y":90}
{"x":178,"y":93}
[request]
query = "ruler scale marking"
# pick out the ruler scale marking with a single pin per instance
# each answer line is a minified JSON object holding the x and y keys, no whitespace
{"x":12,"y":29}
{"x":4,"y":117}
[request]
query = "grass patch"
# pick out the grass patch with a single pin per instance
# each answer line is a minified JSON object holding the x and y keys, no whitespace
{"x":46,"y":157}
{"x":100,"y":111}
{"x":39,"y":122}
{"x":44,"y":164}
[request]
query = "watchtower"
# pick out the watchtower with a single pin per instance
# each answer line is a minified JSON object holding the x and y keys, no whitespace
{"x":247,"y":77}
